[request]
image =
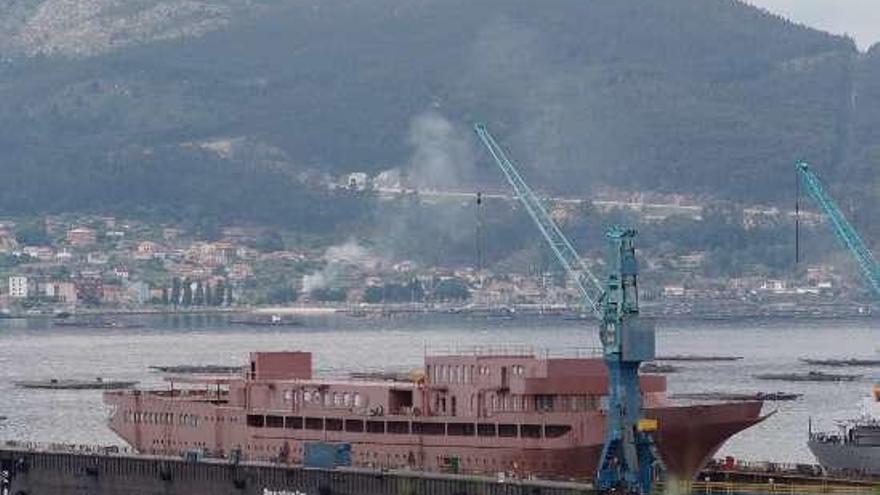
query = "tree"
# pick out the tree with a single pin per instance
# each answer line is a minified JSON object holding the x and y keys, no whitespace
{"x":229,"y":299}
{"x":199,"y":296}
{"x":330,"y":295}
{"x":283,"y":294}
{"x":165,"y":298}
{"x":33,"y":234}
{"x":175,"y":291}
{"x":209,"y":295}
{"x":219,"y":293}
{"x":270,"y":242}
{"x":452,"y":289}
{"x":187,"y":292}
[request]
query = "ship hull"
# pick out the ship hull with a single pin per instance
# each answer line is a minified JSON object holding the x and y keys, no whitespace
{"x":847,"y":458}
{"x":687,"y":438}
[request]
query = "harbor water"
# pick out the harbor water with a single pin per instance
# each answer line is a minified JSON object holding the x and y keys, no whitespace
{"x":36,"y":349}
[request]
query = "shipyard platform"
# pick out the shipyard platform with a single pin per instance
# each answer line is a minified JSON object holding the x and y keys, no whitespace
{"x":30,"y":469}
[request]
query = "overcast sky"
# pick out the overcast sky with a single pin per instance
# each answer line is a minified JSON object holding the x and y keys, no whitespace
{"x":858,"y":18}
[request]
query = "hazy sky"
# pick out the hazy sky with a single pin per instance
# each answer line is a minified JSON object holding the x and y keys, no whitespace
{"x":858,"y":18}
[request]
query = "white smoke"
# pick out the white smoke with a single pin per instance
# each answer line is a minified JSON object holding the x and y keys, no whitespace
{"x":340,"y":259}
{"x":443,"y":155}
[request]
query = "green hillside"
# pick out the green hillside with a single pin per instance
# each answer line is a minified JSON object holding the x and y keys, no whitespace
{"x":705,"y":97}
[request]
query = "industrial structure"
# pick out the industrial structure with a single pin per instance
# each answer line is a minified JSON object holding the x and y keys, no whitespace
{"x":627,"y":462}
{"x":844,"y":231}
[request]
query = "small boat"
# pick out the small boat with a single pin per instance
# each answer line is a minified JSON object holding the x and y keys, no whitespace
{"x":698,"y":358}
{"x":273,"y":321}
{"x":734,"y":397}
{"x":659,"y":368}
{"x":812,"y":376}
{"x":840,"y":363}
{"x":198,"y":369}
{"x":96,"y":384}
{"x":63,"y":322}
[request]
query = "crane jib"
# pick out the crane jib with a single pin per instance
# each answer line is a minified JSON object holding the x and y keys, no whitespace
{"x":845,"y":232}
{"x":627,"y":461}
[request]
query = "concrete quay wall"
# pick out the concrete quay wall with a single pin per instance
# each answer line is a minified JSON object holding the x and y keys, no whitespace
{"x":27,"y":472}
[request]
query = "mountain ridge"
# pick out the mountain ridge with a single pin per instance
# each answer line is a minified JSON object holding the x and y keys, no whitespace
{"x":691,"y":96}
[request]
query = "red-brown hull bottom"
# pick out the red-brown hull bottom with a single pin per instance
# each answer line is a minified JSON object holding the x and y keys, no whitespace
{"x":689,"y":436}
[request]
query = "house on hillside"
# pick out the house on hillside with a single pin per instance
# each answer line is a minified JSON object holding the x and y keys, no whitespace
{"x":82,"y":237}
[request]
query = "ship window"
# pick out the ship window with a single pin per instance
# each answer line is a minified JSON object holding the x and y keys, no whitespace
{"x":486,"y":430}
{"x":256,"y":420}
{"x":288,"y":395}
{"x":293,"y":422}
{"x":398,"y":427}
{"x":333,"y":424}
{"x":460,"y":429}
{"x":337,"y":399}
{"x":428,"y":429}
{"x":274,"y":421}
{"x":556,"y":431}
{"x":357,"y":399}
{"x":354,"y":425}
{"x":375,"y":427}
{"x":346,"y":399}
{"x":314,"y":423}
{"x":531,"y":431}
{"x":307,"y":396}
{"x":544,"y":403}
{"x":507,"y":431}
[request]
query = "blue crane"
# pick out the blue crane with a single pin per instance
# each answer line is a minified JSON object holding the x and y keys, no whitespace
{"x":845,"y":232}
{"x":627,"y":462}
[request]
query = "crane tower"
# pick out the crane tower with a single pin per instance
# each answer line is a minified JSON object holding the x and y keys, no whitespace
{"x":627,"y":461}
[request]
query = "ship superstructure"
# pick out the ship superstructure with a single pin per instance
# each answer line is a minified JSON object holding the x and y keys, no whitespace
{"x":855,"y":447}
{"x":484,"y":411}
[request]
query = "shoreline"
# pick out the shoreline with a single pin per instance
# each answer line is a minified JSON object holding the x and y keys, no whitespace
{"x":501,"y":313}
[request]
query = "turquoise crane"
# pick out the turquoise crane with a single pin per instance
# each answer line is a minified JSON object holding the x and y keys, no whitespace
{"x":627,"y":462}
{"x":845,"y":232}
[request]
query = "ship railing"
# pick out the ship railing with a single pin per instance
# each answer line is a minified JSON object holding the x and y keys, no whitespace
{"x":513,"y":350}
{"x":67,"y":448}
{"x":723,"y":466}
{"x":769,"y":488}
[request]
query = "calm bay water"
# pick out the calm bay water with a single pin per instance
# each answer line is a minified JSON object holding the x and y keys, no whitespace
{"x":34,"y":349}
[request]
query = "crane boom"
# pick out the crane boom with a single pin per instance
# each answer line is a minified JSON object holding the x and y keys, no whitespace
{"x":627,"y":460}
{"x":845,"y":232}
{"x":587,"y":284}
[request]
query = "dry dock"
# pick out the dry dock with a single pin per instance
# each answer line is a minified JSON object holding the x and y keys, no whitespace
{"x":32,"y":471}
{"x":27,"y":469}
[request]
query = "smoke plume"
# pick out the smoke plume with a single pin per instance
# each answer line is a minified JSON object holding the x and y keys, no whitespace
{"x":339,"y":260}
{"x":443,"y":155}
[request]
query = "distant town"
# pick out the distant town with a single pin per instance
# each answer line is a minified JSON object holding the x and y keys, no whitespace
{"x":66,"y":264}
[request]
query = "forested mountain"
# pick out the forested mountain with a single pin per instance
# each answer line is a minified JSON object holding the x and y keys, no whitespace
{"x":134,"y":108}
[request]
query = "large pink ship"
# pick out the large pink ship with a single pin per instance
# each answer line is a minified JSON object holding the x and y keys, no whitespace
{"x":481,"y":412}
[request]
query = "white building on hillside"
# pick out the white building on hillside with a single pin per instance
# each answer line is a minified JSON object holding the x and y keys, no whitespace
{"x":18,"y":287}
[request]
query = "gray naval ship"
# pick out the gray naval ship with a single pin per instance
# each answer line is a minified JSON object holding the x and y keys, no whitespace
{"x":855,"y":447}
